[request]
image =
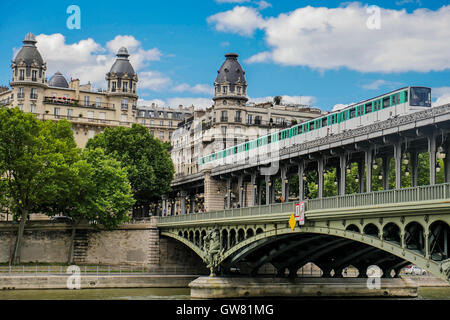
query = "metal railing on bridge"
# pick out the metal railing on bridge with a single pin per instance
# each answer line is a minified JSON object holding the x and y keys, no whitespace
{"x":422,"y":193}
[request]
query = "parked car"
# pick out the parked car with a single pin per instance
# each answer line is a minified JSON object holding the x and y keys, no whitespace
{"x":415,"y":270}
{"x":61,"y":219}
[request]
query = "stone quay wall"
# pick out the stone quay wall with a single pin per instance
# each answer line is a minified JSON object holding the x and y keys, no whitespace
{"x":133,"y":244}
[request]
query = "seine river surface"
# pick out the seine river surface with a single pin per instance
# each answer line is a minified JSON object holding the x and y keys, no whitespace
{"x":150,"y":294}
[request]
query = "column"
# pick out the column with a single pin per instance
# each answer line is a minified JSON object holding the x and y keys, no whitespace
{"x":361,"y":176}
{"x":320,"y":171}
{"x":301,"y":183}
{"x":369,"y":160}
{"x":241,"y":190}
{"x":229,"y":186}
{"x":268,"y":189}
{"x":183,"y":195}
{"x":432,"y":152}
{"x":254,"y":189}
{"x":172,"y":207}
{"x":283,"y":184}
{"x":398,"y":164}
{"x":414,"y":155}
{"x":342,"y":175}
{"x":447,"y":164}
{"x":164,"y":205}
{"x":386,"y":165}
{"x":259,"y":192}
{"x":192,"y":204}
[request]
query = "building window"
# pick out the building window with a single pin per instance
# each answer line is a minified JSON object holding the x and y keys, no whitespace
{"x":33,"y":94}
{"x":224,"y":130}
{"x":239,"y":90}
{"x":250,"y":119}
{"x":141,"y":114}
{"x":152,"y":122}
{"x":33,"y":108}
{"x":113,"y":89}
{"x":57,"y":112}
{"x":103,"y":116}
{"x":224,"y":117}
{"x":86,"y":101}
{"x":125,"y":87}
{"x":99,"y":102}
{"x":152,"y":133}
{"x":34,"y":75}
{"x":69,"y":113}
{"x":225,"y":102}
{"x":161,"y":135}
{"x":225,"y":89}
{"x":143,"y":121}
{"x":125,"y":104}
{"x":21,"y":74}
{"x":21,"y":94}
{"x":91,"y":114}
{"x":171,"y":123}
{"x":161,"y":123}
{"x":21,"y":107}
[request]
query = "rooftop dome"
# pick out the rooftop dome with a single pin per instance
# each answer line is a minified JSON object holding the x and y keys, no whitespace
{"x":29,"y":54}
{"x":231,"y":71}
{"x":122,"y":64}
{"x":58,"y":80}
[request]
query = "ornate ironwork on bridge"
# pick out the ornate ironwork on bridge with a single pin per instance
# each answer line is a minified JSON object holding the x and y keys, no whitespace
{"x":389,"y":229}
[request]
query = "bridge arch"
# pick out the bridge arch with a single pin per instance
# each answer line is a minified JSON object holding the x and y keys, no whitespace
{"x":353,"y":228}
{"x":439,"y":240}
{"x":392,"y":233}
{"x":415,"y":237}
{"x":371,"y":229}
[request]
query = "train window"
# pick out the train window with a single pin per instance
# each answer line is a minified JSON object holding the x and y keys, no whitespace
{"x":359,"y":110}
{"x":324,"y":122}
{"x":343,"y":116}
{"x":386,"y":102}
{"x":311,"y":126}
{"x":352,"y":113}
{"x":369,"y":107}
{"x":420,"y":97}
{"x":406,"y":96}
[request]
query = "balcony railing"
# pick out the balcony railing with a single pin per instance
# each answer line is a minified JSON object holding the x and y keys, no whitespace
{"x":238,"y":120}
{"x":33,"y":96}
{"x":21,"y":96}
{"x":62,"y":101}
{"x":224,"y":119}
{"x":124,"y":106}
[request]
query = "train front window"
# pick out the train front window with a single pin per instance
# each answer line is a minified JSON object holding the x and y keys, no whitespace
{"x":420,"y":97}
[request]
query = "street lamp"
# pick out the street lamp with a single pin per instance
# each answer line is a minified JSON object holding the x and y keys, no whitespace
{"x":405,"y":159}
{"x":407,"y":172}
{"x":438,"y":167}
{"x":375,"y":164}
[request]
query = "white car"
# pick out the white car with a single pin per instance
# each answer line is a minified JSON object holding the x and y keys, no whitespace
{"x":414,"y":270}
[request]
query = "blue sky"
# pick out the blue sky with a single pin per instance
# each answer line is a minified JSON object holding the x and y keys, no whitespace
{"x":323,"y":55}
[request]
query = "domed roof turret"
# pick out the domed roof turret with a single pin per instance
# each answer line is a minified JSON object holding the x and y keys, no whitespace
{"x":58,"y":80}
{"x":231,"y":71}
{"x":122,"y":64}
{"x":29,"y":54}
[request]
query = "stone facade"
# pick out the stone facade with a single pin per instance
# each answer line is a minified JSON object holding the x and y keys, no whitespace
{"x":90,"y":111}
{"x":137,"y":244}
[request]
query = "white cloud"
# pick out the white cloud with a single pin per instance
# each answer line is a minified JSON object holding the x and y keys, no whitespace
{"x":442,"y":96}
{"x":263,"y":5}
{"x":198,"y":88}
{"x":324,"y":38}
{"x":87,"y":60}
{"x":377,"y":84}
{"x":153,"y":80}
{"x":240,"y":20}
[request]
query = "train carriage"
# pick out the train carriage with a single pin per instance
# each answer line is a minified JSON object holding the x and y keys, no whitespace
{"x":396,"y":103}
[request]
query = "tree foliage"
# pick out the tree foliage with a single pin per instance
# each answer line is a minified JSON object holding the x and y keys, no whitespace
{"x":146,"y":159}
{"x":34,"y":159}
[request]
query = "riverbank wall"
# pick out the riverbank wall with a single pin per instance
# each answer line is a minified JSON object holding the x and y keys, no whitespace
{"x":133,"y":244}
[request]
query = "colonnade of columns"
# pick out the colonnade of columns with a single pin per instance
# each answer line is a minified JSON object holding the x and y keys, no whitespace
{"x":248,"y":184}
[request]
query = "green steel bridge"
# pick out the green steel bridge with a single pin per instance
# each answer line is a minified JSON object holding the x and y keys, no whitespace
{"x":390,"y":229}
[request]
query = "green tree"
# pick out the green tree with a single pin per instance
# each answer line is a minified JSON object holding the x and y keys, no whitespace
{"x":147,"y":160}
{"x":34,"y":159}
{"x":98,"y":192}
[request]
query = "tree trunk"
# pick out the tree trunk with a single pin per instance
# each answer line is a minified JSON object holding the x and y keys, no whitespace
{"x":72,"y":243}
{"x":18,"y":247}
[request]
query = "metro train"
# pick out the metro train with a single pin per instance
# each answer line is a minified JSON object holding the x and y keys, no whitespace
{"x":396,"y":103}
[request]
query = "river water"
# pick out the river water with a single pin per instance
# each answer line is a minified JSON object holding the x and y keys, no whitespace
{"x":150,"y":294}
